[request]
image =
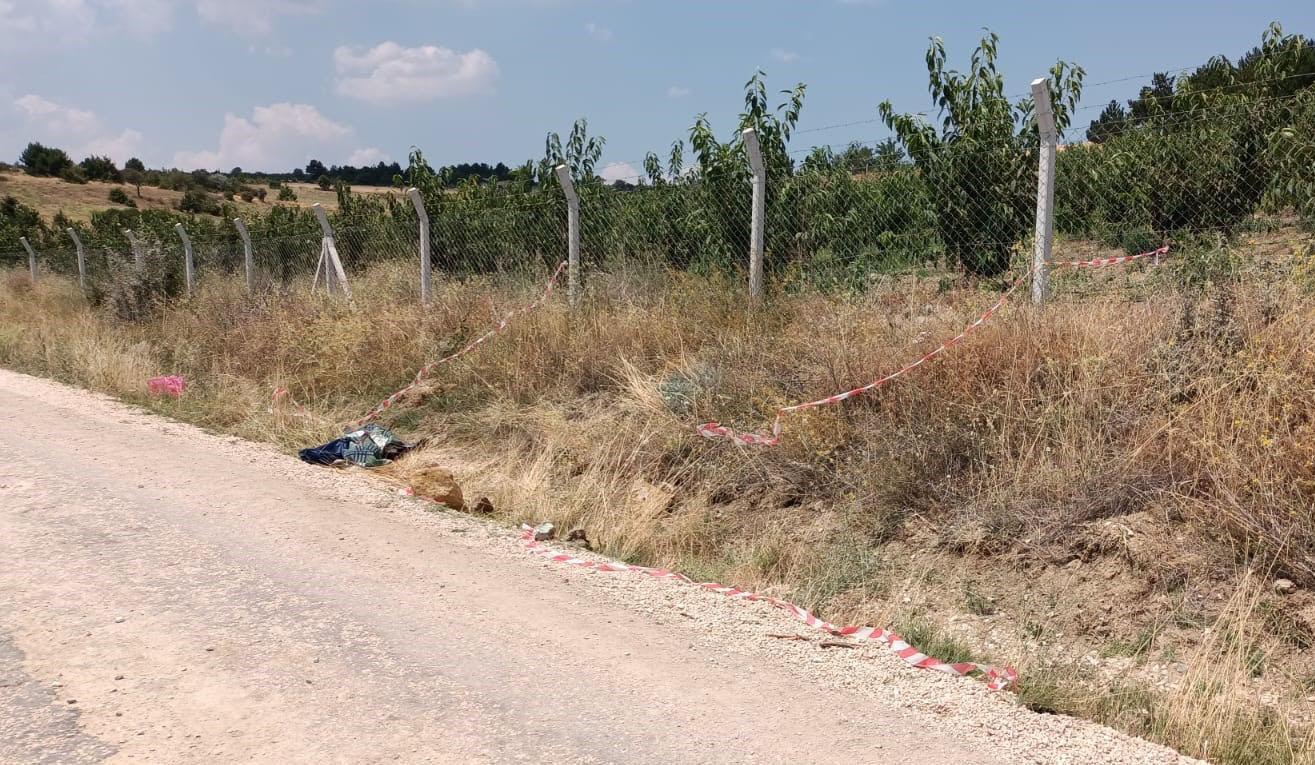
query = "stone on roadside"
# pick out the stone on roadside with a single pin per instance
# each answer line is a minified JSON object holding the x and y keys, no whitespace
{"x":1284,"y":586}
{"x":435,"y":483}
{"x":581,"y":536}
{"x":483,"y":507}
{"x":544,"y":531}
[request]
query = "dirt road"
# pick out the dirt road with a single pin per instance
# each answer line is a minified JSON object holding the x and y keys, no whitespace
{"x":167,"y":595}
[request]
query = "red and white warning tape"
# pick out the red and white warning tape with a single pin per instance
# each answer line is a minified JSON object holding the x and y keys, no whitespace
{"x":1102,"y":262}
{"x":282,"y":394}
{"x":501,"y":326}
{"x":997,"y":678}
{"x":717,"y":430}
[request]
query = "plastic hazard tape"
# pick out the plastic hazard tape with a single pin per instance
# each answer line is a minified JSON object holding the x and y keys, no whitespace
{"x":500,"y":327}
{"x":1102,"y":262}
{"x":282,"y":394}
{"x":997,"y":678}
{"x":717,"y":430}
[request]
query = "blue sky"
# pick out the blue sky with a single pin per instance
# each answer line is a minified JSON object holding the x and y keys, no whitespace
{"x":269,"y":84}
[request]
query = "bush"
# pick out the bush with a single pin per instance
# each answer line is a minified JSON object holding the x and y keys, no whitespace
{"x":17,"y":219}
{"x":120,"y":197}
{"x":325,"y":183}
{"x":286,"y":194}
{"x":73,"y":174}
{"x":101,"y":169}
{"x":197,"y":201}
{"x":1172,"y":176}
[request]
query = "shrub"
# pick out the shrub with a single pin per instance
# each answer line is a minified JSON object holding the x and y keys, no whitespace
{"x":17,"y":219}
{"x":197,"y":201}
{"x":101,"y":169}
{"x":325,"y":183}
{"x":73,"y":174}
{"x":120,"y":197}
{"x":286,"y":194}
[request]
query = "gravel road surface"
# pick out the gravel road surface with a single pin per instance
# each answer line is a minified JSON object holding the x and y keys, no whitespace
{"x":168,"y":595}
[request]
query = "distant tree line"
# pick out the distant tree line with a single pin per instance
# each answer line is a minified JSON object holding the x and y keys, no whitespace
{"x":387,"y":174}
{"x":1281,"y":66}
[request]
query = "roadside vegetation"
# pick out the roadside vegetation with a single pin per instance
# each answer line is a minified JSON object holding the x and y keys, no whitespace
{"x":1115,"y":491}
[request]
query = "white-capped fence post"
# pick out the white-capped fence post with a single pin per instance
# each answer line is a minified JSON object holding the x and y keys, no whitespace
{"x":82,"y":258}
{"x":31,"y":258}
{"x":329,"y":260}
{"x":1044,"y":238}
{"x":425,"y":260}
{"x":188,"y":266}
{"x":572,"y":234}
{"x":248,"y":254}
{"x":757,"y":218}
{"x":138,"y":257}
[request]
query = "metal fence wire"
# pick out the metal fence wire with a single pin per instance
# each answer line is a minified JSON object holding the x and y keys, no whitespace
{"x":833,"y":217}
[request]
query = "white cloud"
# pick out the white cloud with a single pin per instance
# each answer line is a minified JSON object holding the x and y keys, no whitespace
{"x":31,"y":25}
{"x":143,"y":19}
{"x":119,"y":148}
{"x":599,"y":33}
{"x":784,"y":56}
{"x":80,"y":131}
{"x":619,"y":171}
{"x":368,"y":156}
{"x":253,"y":19}
{"x":275,"y":137}
{"x":389,"y":73}
{"x":64,"y":120}
{"x":675,"y":91}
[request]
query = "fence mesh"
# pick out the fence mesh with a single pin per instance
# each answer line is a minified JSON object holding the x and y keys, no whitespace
{"x":1209,"y":168}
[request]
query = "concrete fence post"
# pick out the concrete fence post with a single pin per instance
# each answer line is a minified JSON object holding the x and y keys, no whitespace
{"x":248,"y":254}
{"x":138,"y":256}
{"x":31,"y":258}
{"x":757,"y":218}
{"x":330,"y":263}
{"x":82,"y":258}
{"x":426,"y":261}
{"x":189,"y":269}
{"x":1044,"y":237}
{"x":572,"y":234}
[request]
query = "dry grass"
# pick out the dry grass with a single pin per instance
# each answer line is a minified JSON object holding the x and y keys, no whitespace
{"x":49,"y":196}
{"x":1208,"y":714}
{"x":1188,"y":409}
{"x":78,"y":201}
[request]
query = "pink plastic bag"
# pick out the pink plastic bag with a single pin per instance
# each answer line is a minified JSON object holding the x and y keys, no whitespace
{"x":169,"y":385}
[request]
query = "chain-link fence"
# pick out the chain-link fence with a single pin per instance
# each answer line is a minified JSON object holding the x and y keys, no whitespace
{"x":1215,"y":170}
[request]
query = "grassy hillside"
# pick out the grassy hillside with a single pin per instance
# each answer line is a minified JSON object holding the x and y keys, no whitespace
{"x":49,"y":196}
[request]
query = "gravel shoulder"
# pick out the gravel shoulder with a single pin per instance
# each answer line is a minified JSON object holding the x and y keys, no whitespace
{"x":176,"y":596}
